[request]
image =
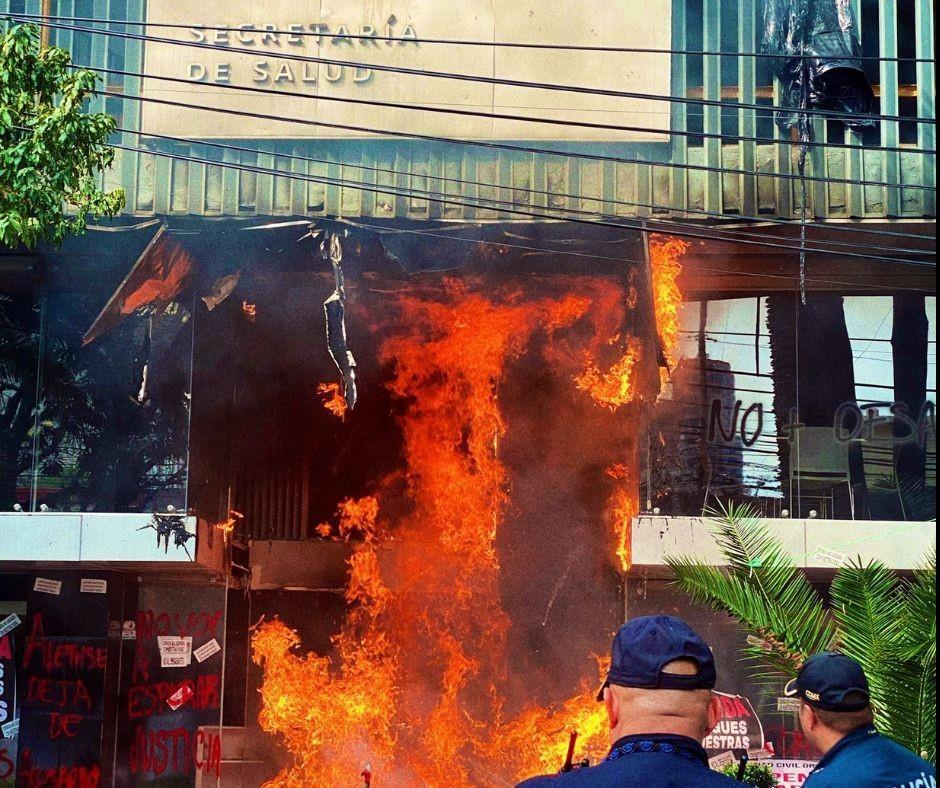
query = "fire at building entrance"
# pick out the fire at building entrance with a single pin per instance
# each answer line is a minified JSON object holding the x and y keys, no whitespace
{"x":483,"y":485}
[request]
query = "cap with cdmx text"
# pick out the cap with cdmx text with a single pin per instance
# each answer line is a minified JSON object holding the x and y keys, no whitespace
{"x":644,"y":646}
{"x":831,"y":681}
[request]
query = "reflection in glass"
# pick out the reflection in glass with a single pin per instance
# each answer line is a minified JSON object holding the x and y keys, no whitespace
{"x":827,"y":407}
{"x":96,"y":427}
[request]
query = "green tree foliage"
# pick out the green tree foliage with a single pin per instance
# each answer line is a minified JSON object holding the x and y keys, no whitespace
{"x":51,"y":150}
{"x":886,"y":622}
{"x":757,"y":774}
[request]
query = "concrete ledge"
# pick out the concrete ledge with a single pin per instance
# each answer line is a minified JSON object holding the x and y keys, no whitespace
{"x":89,"y":537}
{"x":900,"y":545}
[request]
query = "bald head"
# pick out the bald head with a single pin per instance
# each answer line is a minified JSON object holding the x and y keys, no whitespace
{"x":691,"y":713}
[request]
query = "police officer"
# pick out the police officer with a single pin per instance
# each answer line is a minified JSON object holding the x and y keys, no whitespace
{"x":660,"y":705}
{"x":837,"y":719}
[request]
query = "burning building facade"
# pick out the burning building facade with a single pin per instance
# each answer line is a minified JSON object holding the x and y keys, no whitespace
{"x":339,"y":457}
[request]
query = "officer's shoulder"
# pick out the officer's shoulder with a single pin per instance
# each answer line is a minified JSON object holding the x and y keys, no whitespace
{"x":899,"y":753}
{"x":546,"y":781}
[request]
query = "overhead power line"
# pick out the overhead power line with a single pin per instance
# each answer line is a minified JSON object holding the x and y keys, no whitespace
{"x":835,"y":226}
{"x":463,"y":42}
{"x":568,"y":123}
{"x":732,"y":234}
{"x":483,"y":79}
{"x":476,"y":143}
{"x":508,"y":206}
{"x":510,"y":245}
{"x":459,"y":112}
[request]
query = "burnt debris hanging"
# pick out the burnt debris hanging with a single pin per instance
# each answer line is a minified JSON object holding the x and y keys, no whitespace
{"x":335,"y":309}
{"x":819,"y":65}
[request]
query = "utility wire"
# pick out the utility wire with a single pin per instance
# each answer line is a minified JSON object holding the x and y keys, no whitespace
{"x":585,"y":124}
{"x":483,"y":79}
{"x":836,"y":226}
{"x":703,"y":232}
{"x":378,"y":228}
{"x":487,"y":204}
{"x":611,"y":127}
{"x":733,"y":233}
{"x":461,"y":42}
{"x":452,"y":141}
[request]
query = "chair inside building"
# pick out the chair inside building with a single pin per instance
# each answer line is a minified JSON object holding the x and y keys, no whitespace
{"x":819,"y":463}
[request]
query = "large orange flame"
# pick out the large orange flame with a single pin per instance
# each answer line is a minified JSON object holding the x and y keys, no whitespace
{"x":616,"y":386}
{"x":624,"y":506}
{"x":343,"y":717}
{"x":665,"y":253}
{"x":417,"y":688}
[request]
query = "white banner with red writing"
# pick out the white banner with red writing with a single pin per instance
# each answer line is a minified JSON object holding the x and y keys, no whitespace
{"x":790,"y":774}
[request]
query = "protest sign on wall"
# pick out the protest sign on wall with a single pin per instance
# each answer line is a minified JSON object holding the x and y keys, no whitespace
{"x":790,"y":774}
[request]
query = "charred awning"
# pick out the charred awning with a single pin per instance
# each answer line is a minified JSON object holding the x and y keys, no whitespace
{"x":537,"y":247}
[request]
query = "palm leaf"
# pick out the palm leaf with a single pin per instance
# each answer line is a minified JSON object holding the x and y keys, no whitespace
{"x":762,"y":587}
{"x":920,"y":636}
{"x":888,"y":624}
{"x":867,"y":605}
{"x":918,"y":648}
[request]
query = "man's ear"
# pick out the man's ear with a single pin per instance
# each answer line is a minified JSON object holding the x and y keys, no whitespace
{"x":714,"y":712}
{"x":613,"y":707}
{"x":808,"y":719}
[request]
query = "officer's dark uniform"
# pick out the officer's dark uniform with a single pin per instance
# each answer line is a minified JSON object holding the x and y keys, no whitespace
{"x":642,"y":648}
{"x":866,"y":758}
{"x":660,"y":761}
{"x":863,"y":759}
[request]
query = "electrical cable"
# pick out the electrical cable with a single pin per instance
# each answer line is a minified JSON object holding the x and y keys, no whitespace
{"x":582,"y":124}
{"x":489,"y":203}
{"x":483,"y":79}
{"x":734,"y":233}
{"x":460,"y":42}
{"x":835,"y":226}
{"x":452,"y":141}
{"x":605,"y":126}
{"x":438,"y":198}
{"x":430,"y":233}
{"x":300,"y":176}
{"x":767,"y":336}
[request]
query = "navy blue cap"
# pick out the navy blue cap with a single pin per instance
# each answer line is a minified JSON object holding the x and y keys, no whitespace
{"x":645,"y":645}
{"x":827,"y":679}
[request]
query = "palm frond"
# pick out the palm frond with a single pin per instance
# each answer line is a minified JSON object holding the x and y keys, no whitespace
{"x":867,"y":603}
{"x":762,"y":587}
{"x":921,"y":634}
{"x":918,"y":649}
{"x":888,"y":624}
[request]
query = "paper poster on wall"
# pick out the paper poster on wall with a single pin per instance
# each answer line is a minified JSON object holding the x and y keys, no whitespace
{"x":46,"y":586}
{"x":9,"y":713}
{"x":178,"y":698}
{"x":738,"y":729}
{"x":791,"y":774}
{"x":719,"y":762}
{"x":175,"y":652}
{"x":788,"y":705}
{"x":206,"y":650}
{"x":9,"y":623}
{"x":91,"y":585}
